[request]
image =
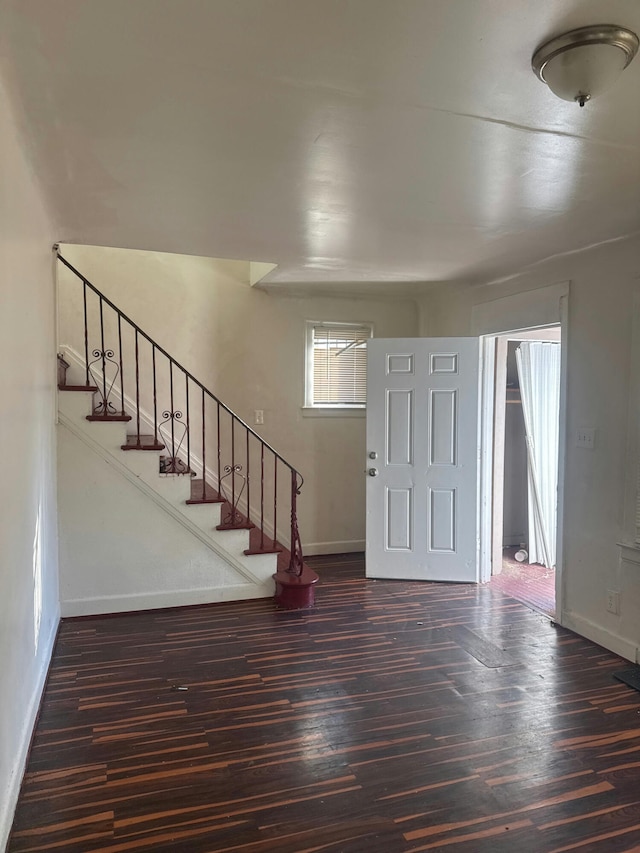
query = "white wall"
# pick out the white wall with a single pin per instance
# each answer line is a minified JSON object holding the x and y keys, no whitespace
{"x":28,"y":559}
{"x":247,"y":346}
{"x":603,"y":282}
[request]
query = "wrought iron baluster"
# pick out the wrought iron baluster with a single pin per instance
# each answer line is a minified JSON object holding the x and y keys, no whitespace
{"x":262,"y":495}
{"x":86,"y":332}
{"x":121,"y":370}
{"x":155,"y":395}
{"x":105,"y":407}
{"x":186,"y":393}
{"x":248,"y":478}
{"x":293,"y":518}
{"x":138,"y":440}
{"x":172,"y":417}
{"x":295,"y":548}
{"x":173,"y":464}
{"x":275,"y":498}
{"x":219,"y":468}
{"x":232,"y":516}
{"x":204,"y":450}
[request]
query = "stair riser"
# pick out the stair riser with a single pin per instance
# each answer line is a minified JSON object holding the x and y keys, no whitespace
{"x":144,"y":464}
{"x":262,"y":565}
{"x":233,"y":540}
{"x":75,"y":404}
{"x":206,"y":516}
{"x":172,"y":488}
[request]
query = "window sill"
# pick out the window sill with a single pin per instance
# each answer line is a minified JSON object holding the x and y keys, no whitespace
{"x":333,"y":412}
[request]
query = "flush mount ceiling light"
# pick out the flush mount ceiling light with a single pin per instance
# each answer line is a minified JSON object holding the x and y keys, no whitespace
{"x":580,"y":64}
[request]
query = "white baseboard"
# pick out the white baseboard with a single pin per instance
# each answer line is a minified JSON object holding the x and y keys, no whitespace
{"x":597,"y":634}
{"x":10,"y":796}
{"x":347,"y":546}
{"x":166,"y":598}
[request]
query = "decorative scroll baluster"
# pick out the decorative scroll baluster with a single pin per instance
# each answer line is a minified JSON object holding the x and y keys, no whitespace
{"x":232,"y":517}
{"x":173,"y":464}
{"x":104,"y":407}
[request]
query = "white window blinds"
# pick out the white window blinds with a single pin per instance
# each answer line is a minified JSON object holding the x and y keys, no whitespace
{"x":340,"y":364}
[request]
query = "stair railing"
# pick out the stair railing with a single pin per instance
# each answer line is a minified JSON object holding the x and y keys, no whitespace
{"x":187,"y":420}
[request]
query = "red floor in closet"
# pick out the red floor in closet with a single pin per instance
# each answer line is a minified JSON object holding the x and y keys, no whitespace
{"x":531,"y":584}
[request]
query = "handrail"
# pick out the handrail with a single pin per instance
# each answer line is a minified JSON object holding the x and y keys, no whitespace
{"x":178,"y":365}
{"x":172,"y":418}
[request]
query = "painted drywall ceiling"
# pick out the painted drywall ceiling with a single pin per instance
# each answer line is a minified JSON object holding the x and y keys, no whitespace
{"x":348,"y":141}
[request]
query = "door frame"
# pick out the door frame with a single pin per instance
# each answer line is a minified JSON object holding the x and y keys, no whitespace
{"x":526,"y":311}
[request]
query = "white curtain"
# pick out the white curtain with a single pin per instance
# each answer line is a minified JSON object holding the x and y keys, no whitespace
{"x":539,"y":374}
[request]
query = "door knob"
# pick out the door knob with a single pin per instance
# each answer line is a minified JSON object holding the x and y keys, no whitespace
{"x":372,"y":472}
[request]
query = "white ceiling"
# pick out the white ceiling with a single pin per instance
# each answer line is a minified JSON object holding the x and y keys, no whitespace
{"x":348,"y":141}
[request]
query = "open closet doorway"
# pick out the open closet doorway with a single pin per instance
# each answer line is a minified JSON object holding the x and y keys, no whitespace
{"x":525,"y":466}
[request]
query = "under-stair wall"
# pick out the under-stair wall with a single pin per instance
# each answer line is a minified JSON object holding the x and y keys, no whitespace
{"x":128,"y":541}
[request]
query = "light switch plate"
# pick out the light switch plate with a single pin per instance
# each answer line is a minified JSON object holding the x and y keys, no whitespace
{"x":586,"y":437}
{"x":613,"y":602}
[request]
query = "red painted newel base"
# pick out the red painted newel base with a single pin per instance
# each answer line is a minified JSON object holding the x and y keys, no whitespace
{"x":293,"y":592}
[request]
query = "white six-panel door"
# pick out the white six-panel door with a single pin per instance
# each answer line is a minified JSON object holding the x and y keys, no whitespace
{"x":422,"y":458}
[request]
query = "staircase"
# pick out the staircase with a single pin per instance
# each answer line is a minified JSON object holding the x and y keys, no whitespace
{"x":132,"y":403}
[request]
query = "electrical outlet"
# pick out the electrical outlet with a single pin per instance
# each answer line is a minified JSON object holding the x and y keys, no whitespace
{"x":586,"y":437}
{"x":258,"y":416}
{"x":613,"y":602}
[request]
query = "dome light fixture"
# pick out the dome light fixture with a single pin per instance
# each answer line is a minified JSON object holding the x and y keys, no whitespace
{"x":583,"y":63}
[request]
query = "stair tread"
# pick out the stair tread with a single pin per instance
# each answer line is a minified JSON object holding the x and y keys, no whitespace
{"x":142,"y":442}
{"x":92,"y":388}
{"x":109,"y":418}
{"x":211,"y":496}
{"x":260,"y":545}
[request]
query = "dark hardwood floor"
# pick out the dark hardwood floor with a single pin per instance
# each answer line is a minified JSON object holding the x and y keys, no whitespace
{"x":395,"y":717}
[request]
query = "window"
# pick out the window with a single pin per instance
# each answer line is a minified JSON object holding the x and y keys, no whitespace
{"x":337,"y":365}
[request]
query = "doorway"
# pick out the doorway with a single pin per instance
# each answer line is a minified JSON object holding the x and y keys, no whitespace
{"x":525,"y":466}
{"x":397,"y":412}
